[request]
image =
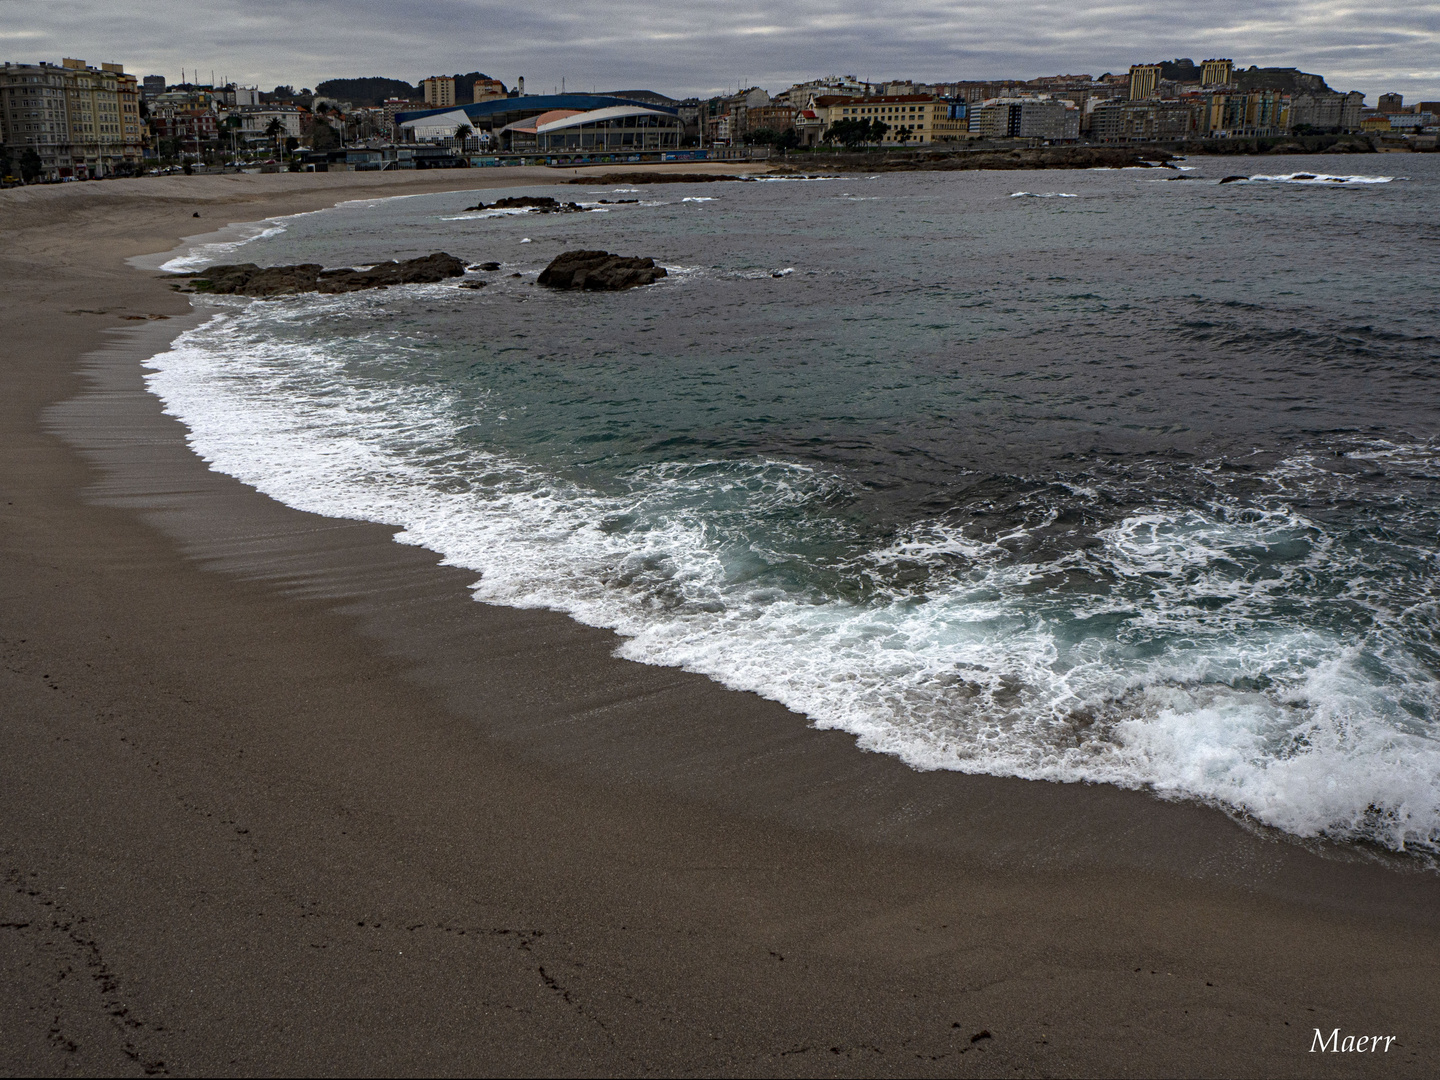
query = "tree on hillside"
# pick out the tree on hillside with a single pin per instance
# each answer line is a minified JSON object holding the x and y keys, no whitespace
{"x":370,"y":90}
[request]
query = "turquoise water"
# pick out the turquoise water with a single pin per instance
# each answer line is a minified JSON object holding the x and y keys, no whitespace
{"x":1095,"y":476}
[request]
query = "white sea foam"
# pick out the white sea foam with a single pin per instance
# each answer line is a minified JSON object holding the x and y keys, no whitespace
{"x":1195,"y":689}
{"x":698,"y":198}
{"x":1323,"y":179}
{"x":207,"y":254}
{"x":1042,"y":195}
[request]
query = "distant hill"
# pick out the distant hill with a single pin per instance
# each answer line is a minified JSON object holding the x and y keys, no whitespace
{"x":648,"y":97}
{"x":368,"y":91}
{"x":1286,"y":80}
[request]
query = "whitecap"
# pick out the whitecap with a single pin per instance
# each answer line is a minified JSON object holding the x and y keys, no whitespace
{"x":1324,"y":179}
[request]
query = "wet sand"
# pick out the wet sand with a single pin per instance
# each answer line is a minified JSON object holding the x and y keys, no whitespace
{"x":277,"y":795}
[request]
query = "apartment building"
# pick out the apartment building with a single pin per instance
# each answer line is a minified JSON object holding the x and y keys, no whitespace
{"x":439,"y":91}
{"x":1144,"y":81}
{"x":1050,"y":119}
{"x":912,"y":118}
{"x":487,"y":90}
{"x":1327,"y":112}
{"x":1139,"y":121}
{"x":1216,"y":72}
{"x":772,"y":117}
{"x":80,"y":121}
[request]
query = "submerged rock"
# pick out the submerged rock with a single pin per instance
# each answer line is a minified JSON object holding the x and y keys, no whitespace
{"x":541,"y":203}
{"x":599,"y":270}
{"x":1233,"y":179}
{"x":247,"y":279}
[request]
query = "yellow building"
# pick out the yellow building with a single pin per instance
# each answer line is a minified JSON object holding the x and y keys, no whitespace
{"x":79,"y":120}
{"x":439,"y":91}
{"x":912,"y":118}
{"x":1144,"y":81}
{"x":1216,"y":72}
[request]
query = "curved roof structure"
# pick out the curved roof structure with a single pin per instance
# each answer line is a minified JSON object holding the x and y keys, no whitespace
{"x":499,"y":112}
{"x":614,"y":112}
{"x":446,"y":120}
{"x":531,"y":123}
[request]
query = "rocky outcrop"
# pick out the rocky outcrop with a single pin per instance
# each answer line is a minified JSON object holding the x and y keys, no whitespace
{"x":599,"y":270}
{"x":247,"y":279}
{"x":540,"y":203}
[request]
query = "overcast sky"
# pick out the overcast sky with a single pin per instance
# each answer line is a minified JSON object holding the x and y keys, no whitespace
{"x":682,"y":49}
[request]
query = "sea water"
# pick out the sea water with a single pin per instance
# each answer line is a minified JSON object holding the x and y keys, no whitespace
{"x":1135,"y":481}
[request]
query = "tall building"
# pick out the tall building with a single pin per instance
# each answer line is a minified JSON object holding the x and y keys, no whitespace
{"x":1392,"y":103}
{"x":153,"y":86}
{"x":1327,"y":111}
{"x":1051,"y":119}
{"x":80,"y":121}
{"x":1216,"y":72}
{"x":1144,"y":80}
{"x":439,"y":91}
{"x":394,"y":106}
{"x":1132,"y":121}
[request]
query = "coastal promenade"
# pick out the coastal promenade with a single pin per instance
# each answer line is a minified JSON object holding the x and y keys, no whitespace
{"x":278,"y":795}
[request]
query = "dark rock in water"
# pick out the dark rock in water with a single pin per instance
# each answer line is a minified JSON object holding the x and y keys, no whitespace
{"x":514,"y":275}
{"x":247,"y":279}
{"x":490,"y":266}
{"x":599,"y":270}
{"x":472,"y":284}
{"x":617,"y":202}
{"x":1303,"y":176}
{"x":1233,"y":179}
{"x":542,"y":203}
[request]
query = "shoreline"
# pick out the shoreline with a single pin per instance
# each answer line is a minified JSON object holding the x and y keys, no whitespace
{"x":715,"y":829}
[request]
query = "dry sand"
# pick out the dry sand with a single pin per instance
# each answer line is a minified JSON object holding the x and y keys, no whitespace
{"x":277,"y":796}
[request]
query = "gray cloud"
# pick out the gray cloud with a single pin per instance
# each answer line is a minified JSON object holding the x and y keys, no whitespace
{"x":684,"y":49}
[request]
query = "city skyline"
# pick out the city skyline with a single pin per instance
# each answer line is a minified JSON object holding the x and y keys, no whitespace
{"x":1382,"y":48}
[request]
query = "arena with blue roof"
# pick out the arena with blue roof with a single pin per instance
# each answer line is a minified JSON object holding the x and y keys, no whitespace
{"x":498,"y":112}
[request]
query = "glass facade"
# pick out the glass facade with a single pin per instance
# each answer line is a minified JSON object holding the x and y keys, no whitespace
{"x":646,"y":132}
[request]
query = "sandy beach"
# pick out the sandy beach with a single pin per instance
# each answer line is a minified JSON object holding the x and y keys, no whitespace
{"x":280,"y":796}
